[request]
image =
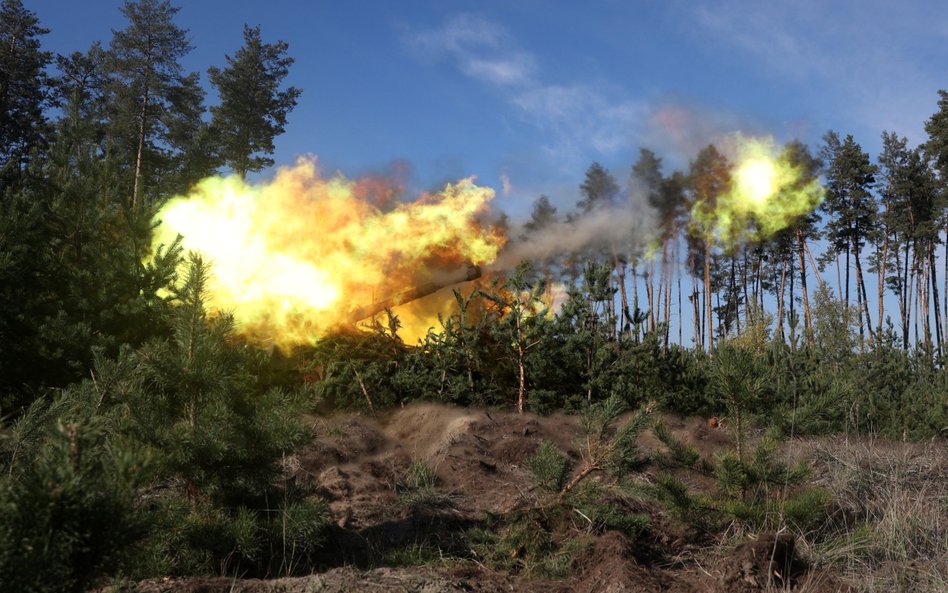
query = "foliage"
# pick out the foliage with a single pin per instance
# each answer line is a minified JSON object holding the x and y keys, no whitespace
{"x":68,"y":495}
{"x":418,"y":489}
{"x":24,"y":83}
{"x":550,"y":468}
{"x":253,"y":109}
{"x":154,"y":106}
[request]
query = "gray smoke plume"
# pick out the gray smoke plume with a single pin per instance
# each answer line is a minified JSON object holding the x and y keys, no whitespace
{"x":621,"y":228}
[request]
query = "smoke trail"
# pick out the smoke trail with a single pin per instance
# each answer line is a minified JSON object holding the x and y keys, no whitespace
{"x":617,"y":228}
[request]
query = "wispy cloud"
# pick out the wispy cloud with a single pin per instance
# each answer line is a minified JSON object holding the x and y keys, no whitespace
{"x":481,"y":49}
{"x":576,"y":118}
{"x":869,"y":54}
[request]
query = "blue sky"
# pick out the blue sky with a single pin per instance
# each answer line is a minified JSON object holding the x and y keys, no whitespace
{"x":525,"y":95}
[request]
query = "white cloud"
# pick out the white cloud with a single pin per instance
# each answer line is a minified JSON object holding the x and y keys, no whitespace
{"x":479,"y":48}
{"x":574,"y":117}
{"x":511,"y":70}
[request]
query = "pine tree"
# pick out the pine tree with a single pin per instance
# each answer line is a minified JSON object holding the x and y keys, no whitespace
{"x":850,"y":178}
{"x":599,"y":188}
{"x":520,"y":309}
{"x":155,"y":108}
{"x":936,"y":149}
{"x":805,"y":227}
{"x":253,"y":109}
{"x":80,"y":92}
{"x":911,"y":223}
{"x":709,"y":178}
{"x":24,"y":87}
{"x":666,"y":196}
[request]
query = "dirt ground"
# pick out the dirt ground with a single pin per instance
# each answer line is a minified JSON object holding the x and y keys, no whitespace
{"x":480,"y":456}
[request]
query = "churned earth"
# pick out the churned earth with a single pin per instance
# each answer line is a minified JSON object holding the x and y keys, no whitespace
{"x":377,"y":534}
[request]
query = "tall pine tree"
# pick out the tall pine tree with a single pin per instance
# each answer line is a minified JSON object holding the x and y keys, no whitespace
{"x":253,"y":109}
{"x":24,"y":88}
{"x":850,"y":178}
{"x":155,"y":107}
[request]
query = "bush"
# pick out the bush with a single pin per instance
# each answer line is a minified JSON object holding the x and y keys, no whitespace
{"x":68,"y":515}
{"x":549,"y":467}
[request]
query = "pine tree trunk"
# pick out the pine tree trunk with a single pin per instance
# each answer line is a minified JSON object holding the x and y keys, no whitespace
{"x":846,"y":288}
{"x":649,"y":295}
{"x":780,"y":296}
{"x":681,"y":320}
{"x":732,"y":298}
{"x":924,"y":301}
{"x":661,"y":283}
{"x":635,"y":298}
{"x":623,"y":297}
{"x":935,"y":299}
{"x":747,"y":300}
{"x":907,"y":297}
{"x":707,"y":293}
{"x":698,"y":339}
{"x":807,"y":320}
{"x":945,"y":312}
{"x":881,"y":277}
{"x":668,"y":292}
{"x":863,"y":298}
{"x":141,"y":148}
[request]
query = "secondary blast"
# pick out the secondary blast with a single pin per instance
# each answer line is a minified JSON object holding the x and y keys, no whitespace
{"x":471,"y":272}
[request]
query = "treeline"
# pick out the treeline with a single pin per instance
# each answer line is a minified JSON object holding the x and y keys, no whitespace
{"x":875,"y":237}
{"x":502,"y":347}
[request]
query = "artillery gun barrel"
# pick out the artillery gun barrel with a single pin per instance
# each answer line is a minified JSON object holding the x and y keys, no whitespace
{"x":473,"y":273}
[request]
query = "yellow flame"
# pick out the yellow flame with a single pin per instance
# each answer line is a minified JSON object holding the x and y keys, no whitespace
{"x":768,"y":193}
{"x":293,"y":257}
{"x":755,"y":179}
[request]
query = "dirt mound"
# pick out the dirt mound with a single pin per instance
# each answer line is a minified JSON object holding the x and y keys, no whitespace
{"x":610,"y":567}
{"x":768,"y":561}
{"x":771,"y":563}
{"x":361,"y":465}
{"x":479,"y":458}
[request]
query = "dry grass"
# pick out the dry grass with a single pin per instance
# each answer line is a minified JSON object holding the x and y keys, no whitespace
{"x":890,"y":528}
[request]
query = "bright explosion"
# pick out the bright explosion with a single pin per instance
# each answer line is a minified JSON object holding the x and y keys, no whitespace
{"x":294,"y":257}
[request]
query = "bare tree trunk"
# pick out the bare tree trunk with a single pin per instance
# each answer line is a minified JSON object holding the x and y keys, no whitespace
{"x":611,"y":315}
{"x":881,"y":276}
{"x":807,"y":320}
{"x":698,"y":338}
{"x":747,"y":300}
{"x":907,"y":298}
{"x":863,"y":298}
{"x":681,"y":320}
{"x":650,"y":290}
{"x":661,"y":282}
{"x":707,"y":292}
{"x":668,"y":292}
{"x":924,"y":302}
{"x":635,"y":297}
{"x":816,"y":270}
{"x":141,"y":147}
{"x":780,"y":295}
{"x":934,"y":273}
{"x":623,"y":297}
{"x":846,"y":287}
